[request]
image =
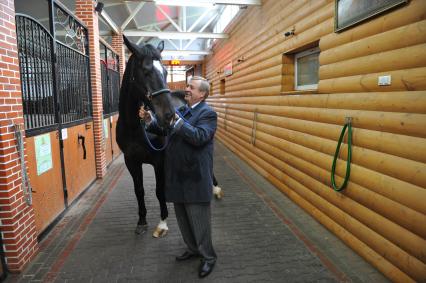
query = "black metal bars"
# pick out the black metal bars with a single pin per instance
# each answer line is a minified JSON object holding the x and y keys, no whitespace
{"x":39,"y":75}
{"x":35,"y":62}
{"x":110,"y":80}
{"x":73,"y":84}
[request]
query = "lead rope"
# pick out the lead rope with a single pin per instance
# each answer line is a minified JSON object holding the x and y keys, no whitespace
{"x":181,"y":115}
{"x":149,"y":142}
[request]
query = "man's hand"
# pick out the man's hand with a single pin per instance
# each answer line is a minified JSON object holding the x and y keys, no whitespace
{"x":145,"y":115}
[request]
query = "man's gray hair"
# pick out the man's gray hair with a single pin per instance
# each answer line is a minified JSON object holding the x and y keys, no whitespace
{"x":204,"y":85}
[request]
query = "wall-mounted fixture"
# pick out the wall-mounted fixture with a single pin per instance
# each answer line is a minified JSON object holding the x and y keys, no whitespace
{"x":241,"y":59}
{"x":288,"y":33}
{"x":99,"y":7}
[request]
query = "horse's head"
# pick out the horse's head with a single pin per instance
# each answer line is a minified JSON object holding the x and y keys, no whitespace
{"x":148,"y":77}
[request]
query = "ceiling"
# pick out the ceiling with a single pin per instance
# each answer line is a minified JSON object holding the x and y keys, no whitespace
{"x":185,"y":26}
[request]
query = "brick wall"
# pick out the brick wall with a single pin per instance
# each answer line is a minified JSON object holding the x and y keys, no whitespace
{"x":117,"y":44}
{"x":85,"y":12}
{"x":17,"y":217}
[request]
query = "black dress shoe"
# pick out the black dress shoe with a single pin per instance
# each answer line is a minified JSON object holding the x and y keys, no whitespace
{"x":185,"y":256}
{"x":205,"y":268}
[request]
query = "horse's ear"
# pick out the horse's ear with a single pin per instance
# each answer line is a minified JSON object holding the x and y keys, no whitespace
{"x":160,"y":46}
{"x":130,"y":45}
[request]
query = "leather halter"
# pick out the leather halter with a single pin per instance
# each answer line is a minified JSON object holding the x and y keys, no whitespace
{"x":158,"y":92}
{"x":150,"y":95}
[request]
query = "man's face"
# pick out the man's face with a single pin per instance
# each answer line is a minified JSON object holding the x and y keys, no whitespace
{"x":193,"y":93}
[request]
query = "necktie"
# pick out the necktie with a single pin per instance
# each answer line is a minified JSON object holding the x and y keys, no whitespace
{"x":184,"y":110}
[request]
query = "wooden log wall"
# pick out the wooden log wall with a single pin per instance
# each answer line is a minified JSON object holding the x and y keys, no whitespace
{"x":290,"y":136}
{"x":177,"y":85}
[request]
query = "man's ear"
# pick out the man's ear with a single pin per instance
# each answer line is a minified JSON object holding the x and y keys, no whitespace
{"x":160,"y":46}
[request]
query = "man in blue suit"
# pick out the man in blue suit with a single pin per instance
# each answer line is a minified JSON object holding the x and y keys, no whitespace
{"x":189,"y":172}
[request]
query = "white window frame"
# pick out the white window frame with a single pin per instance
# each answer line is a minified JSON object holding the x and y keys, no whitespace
{"x":296,"y":57}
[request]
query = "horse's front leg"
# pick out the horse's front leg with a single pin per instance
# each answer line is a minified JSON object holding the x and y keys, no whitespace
{"x":162,"y":228}
{"x":135,"y":169}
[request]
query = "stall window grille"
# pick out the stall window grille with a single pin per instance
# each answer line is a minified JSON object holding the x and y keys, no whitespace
{"x":68,"y":30}
{"x":54,"y":69}
{"x":73,"y":84}
{"x":306,"y":69}
{"x":35,"y":63}
{"x":110,"y":80}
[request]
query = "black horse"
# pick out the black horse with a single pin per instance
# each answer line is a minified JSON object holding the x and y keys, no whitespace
{"x":144,"y":84}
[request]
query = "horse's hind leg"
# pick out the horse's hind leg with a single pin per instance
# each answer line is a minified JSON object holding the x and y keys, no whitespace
{"x":214,"y":180}
{"x":135,"y":169}
{"x":217,"y":191}
{"x":161,"y":229}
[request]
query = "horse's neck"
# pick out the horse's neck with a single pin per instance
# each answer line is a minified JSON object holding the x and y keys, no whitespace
{"x":129,"y":107}
{"x":178,"y":98}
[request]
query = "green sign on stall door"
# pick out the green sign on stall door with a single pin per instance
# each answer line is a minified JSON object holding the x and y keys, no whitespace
{"x":43,"y":151}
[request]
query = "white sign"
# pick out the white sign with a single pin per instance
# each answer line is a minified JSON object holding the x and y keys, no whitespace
{"x":227,"y":70}
{"x":64,"y":134}
{"x":43,"y":152}
{"x":106,"y":123}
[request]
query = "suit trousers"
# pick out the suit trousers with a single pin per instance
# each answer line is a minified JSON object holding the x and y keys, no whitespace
{"x":194,"y":220}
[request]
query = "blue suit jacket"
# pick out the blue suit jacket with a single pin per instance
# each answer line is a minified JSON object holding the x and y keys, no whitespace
{"x":189,"y":157}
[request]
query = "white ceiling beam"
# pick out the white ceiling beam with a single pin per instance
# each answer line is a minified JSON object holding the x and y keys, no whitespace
{"x":205,"y":3}
{"x":132,"y":15}
{"x":201,"y":30}
{"x":199,"y":19}
{"x":164,"y":22}
{"x":184,"y":18}
{"x":174,"y":35}
{"x":185,"y":52}
{"x":171,"y":42}
{"x":110,"y":22}
{"x":140,"y":40}
{"x":136,"y":24}
{"x":106,"y":5}
{"x":168,"y":17}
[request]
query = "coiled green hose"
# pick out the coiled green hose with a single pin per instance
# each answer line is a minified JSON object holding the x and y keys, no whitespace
{"x":348,"y":161}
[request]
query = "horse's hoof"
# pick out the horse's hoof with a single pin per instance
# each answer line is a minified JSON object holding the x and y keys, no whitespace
{"x":159,"y":233}
{"x":218,"y":192}
{"x":161,"y":229}
{"x":140,"y":229}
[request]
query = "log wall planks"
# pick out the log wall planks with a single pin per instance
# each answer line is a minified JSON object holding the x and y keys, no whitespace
{"x":289,"y":136}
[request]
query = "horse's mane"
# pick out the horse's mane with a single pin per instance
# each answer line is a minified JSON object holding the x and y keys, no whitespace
{"x":151,"y":51}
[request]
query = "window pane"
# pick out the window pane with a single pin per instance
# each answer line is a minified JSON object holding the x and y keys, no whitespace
{"x":307,"y":70}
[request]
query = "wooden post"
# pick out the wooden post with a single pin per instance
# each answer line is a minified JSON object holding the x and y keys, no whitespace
{"x":86,"y":12}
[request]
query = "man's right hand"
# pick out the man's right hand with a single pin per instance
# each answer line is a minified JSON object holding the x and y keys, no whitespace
{"x":145,"y":115}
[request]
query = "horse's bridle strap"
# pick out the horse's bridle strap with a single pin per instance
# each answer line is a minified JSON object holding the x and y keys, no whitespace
{"x":158,"y":92}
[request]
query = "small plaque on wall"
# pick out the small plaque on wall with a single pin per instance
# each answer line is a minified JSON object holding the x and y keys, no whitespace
{"x":227,"y":70}
{"x":352,"y":12}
